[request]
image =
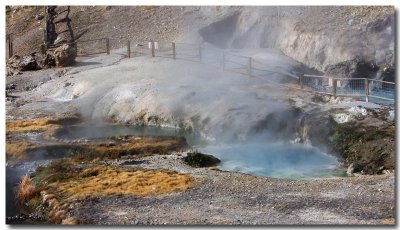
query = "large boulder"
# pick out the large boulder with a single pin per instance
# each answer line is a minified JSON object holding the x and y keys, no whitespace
{"x":17,"y":64}
{"x":24,"y":63}
{"x":197,"y":159}
{"x":65,"y":55}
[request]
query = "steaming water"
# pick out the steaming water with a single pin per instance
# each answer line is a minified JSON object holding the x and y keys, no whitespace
{"x":260,"y":159}
{"x":78,"y":132}
{"x":275,"y":160}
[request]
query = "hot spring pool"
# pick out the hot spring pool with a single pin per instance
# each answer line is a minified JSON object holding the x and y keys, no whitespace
{"x":260,"y":159}
{"x":276,"y":160}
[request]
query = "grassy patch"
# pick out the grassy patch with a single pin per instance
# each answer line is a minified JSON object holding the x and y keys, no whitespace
{"x":26,"y":191}
{"x":39,"y":124}
{"x":34,"y":202}
{"x":146,"y":146}
{"x":57,"y":171}
{"x":34,"y":125}
{"x":67,"y":180}
{"x":103,"y":181}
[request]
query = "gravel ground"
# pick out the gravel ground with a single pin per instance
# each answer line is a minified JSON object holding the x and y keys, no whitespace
{"x":227,"y":198}
{"x":21,"y":103}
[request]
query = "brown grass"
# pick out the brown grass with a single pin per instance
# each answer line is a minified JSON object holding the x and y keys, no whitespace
{"x":18,"y":149}
{"x":34,"y":125}
{"x":26,"y":191}
{"x":102,"y":181}
{"x":142,"y":146}
{"x":39,"y":124}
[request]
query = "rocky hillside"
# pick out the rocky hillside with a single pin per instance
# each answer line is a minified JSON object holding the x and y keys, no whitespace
{"x":119,"y":23}
{"x":319,"y":36}
{"x":338,"y":40}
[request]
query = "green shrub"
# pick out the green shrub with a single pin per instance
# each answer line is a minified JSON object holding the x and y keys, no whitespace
{"x":34,"y":202}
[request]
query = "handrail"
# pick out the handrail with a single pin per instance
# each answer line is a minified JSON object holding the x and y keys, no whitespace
{"x":388,"y":82}
{"x":252,"y":64}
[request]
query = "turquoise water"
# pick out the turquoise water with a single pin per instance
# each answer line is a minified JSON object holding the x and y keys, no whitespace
{"x":293,"y":161}
{"x":260,"y":159}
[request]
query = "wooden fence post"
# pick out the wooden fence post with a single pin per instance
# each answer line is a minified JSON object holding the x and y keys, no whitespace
{"x":108,"y":46}
{"x":10,"y":46}
{"x":366,"y":86}
{"x":301,"y":79}
{"x":223,"y":60}
{"x":45,"y":27}
{"x":173,"y":50}
{"x":249,"y":66}
{"x":153,"y":51}
{"x":200,"y":53}
{"x":129,"y":48}
{"x":334,"y":81}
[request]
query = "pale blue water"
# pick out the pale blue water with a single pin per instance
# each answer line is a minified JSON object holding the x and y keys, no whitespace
{"x":275,"y":160}
{"x":260,"y":159}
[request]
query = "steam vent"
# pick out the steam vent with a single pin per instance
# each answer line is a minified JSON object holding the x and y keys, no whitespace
{"x":200,"y":115}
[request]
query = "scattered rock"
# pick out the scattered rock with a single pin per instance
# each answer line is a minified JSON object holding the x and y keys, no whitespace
{"x":197,"y":159}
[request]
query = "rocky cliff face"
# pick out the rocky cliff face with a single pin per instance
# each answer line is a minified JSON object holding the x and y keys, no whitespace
{"x":320,"y":37}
